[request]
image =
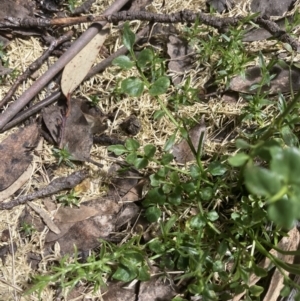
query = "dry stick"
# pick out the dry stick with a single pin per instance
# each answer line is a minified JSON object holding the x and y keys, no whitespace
{"x":32,"y":110}
{"x":56,"y":95}
{"x":55,"y":186}
{"x":36,"y":87}
{"x":35,"y":66}
{"x":180,"y":17}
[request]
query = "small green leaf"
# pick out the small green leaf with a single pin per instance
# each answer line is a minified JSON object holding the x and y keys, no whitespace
{"x":124,"y":274}
{"x":158,"y":114}
{"x":258,"y":271}
{"x":117,"y":149}
{"x":123,"y":62}
{"x":146,"y":56}
{"x":256,"y":290}
{"x":153,"y":214}
{"x":160,"y":86}
{"x":285,"y":291}
{"x":238,"y":159}
{"x":130,"y":159}
{"x":156,"y":246}
{"x":197,"y":222}
{"x":240,"y":143}
{"x":140,"y":163}
{"x":128,"y":37}
{"x":212,"y":215}
{"x":216,"y":168}
{"x":169,"y":144}
{"x":283,"y":213}
{"x":206,"y":193}
{"x":143,"y":273}
{"x":174,"y":198}
{"x":166,"y":159}
{"x":261,"y":181}
{"x":132,"y":86}
{"x":149,"y":150}
{"x":132,"y":144}
{"x":156,"y":196}
{"x":286,"y":162}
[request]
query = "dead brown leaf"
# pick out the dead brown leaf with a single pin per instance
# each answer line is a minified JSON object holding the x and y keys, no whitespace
{"x":45,"y":217}
{"x":16,"y":154}
{"x":182,"y":151}
{"x":156,"y":289}
{"x":76,"y":70}
{"x":280,"y":83}
{"x":83,"y":228}
{"x":78,"y":145}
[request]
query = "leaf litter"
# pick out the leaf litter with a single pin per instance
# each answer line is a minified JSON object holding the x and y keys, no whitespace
{"x":128,"y":193}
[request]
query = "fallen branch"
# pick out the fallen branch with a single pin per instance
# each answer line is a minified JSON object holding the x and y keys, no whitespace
{"x":35,"y":66}
{"x":185,"y":16}
{"x":55,"y":186}
{"x":39,"y":84}
{"x":56,"y":95}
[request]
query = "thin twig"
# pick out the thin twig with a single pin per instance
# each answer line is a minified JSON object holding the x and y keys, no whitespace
{"x":35,"y":66}
{"x":55,"y":186}
{"x":56,"y":95}
{"x":39,"y":84}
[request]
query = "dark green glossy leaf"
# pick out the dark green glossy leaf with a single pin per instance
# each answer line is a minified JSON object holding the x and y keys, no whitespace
{"x":149,"y":150}
{"x":166,"y":159}
{"x":140,"y":163}
{"x":156,"y":196}
{"x":160,"y":86}
{"x":132,"y":144}
{"x":132,"y":86}
{"x":153,"y":214}
{"x":216,"y":168}
{"x":124,"y":274}
{"x":146,"y":56}
{"x":128,"y":37}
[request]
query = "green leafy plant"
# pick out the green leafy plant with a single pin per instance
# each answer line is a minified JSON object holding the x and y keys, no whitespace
{"x":226,"y":211}
{"x":63,"y":156}
{"x":70,"y":199}
{"x":27,"y":229}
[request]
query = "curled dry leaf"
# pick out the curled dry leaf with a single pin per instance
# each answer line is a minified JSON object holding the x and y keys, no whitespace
{"x":182,"y":151}
{"x":45,"y":217}
{"x":16,"y":154}
{"x":280,"y":83}
{"x":80,"y":65}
